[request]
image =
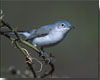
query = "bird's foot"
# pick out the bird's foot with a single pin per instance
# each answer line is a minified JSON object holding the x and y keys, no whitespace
{"x":47,"y":58}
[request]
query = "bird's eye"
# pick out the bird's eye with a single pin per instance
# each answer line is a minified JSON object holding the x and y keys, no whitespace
{"x":63,"y":25}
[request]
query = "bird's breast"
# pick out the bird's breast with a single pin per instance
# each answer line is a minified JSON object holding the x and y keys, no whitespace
{"x":48,"y":40}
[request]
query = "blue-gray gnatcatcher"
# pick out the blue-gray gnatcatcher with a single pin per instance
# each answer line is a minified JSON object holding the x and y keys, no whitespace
{"x":47,"y":35}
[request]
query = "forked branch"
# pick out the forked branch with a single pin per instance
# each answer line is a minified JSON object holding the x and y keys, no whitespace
{"x":17,"y":40}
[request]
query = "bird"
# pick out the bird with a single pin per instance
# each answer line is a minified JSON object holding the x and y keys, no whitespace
{"x":47,"y":35}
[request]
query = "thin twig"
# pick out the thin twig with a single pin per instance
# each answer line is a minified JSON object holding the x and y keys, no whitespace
{"x":31,"y":58}
{"x":28,"y":58}
{"x":31,"y":68}
{"x":18,"y":46}
{"x":50,"y":72}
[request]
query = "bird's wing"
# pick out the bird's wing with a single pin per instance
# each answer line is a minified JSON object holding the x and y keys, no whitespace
{"x":42,"y":31}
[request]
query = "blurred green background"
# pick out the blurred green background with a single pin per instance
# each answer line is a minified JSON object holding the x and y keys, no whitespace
{"x":77,"y":55}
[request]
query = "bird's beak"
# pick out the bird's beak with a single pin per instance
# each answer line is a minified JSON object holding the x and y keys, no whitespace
{"x":72,"y":27}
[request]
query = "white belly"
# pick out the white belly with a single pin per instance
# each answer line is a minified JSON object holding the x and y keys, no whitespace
{"x":47,"y":40}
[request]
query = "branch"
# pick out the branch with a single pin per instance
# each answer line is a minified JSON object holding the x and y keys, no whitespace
{"x":31,"y":68}
{"x":17,"y":42}
{"x":50,"y":72}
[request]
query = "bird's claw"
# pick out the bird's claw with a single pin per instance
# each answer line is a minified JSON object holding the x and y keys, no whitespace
{"x":49,"y":61}
{"x":47,"y":58}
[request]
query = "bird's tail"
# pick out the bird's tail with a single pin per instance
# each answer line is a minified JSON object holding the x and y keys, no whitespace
{"x":25,"y":33}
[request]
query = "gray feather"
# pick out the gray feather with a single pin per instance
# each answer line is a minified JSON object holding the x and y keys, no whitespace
{"x":42,"y":31}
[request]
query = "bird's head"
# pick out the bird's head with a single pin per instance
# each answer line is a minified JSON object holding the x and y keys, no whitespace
{"x":63,"y":26}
